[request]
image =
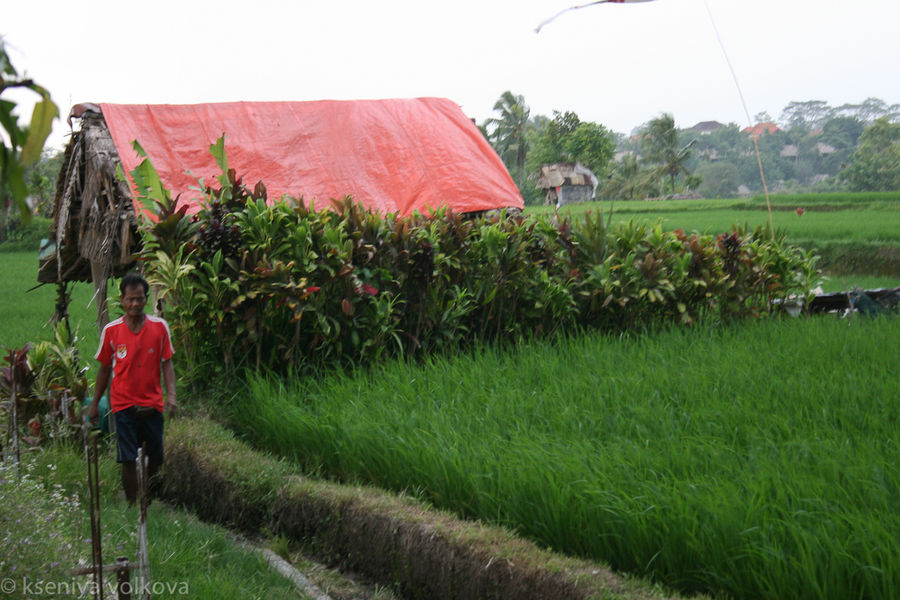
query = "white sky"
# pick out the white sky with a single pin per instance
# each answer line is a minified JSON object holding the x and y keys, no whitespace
{"x":618,"y":65}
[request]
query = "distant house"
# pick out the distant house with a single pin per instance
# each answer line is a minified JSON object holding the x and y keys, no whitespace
{"x":567,"y":183}
{"x":790,"y":151}
{"x":711,"y":154}
{"x":706,"y":127}
{"x":761,"y":128}
{"x":825,"y":149}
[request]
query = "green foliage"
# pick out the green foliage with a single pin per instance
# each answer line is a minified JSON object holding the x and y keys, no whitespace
{"x":16,"y":235}
{"x":824,"y":138}
{"x":566,"y":138}
{"x":50,"y":386}
{"x":508,"y":134}
{"x":630,"y":181}
{"x":38,"y":528}
{"x":280,"y":286}
{"x":661,"y":147}
{"x":45,"y":532}
{"x":40,"y":179}
{"x":875,"y":166}
{"x":719,"y":180}
{"x":24,"y":142}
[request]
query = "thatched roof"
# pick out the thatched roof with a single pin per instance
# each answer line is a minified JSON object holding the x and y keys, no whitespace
{"x":93,"y":213}
{"x":558,"y":174}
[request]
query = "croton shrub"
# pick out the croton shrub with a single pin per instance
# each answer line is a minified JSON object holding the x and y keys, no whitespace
{"x":284,"y":286}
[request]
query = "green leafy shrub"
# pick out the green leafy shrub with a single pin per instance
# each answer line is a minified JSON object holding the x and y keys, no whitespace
{"x":15,"y":235}
{"x":281,"y":286}
{"x":48,"y":382}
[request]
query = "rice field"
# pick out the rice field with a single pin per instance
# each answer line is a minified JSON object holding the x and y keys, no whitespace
{"x":748,"y":461}
{"x":26,"y":312}
{"x":824,"y":218}
{"x":751,"y":461}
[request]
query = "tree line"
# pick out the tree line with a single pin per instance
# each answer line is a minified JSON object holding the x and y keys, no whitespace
{"x":811,"y":147}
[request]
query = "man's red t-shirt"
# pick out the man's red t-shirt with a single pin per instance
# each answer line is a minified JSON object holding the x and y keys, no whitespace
{"x":135,"y":360}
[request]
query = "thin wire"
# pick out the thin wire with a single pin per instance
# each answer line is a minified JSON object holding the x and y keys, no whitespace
{"x":753,"y":136}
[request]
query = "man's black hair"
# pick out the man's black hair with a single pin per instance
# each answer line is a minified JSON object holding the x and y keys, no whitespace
{"x":133,"y":279}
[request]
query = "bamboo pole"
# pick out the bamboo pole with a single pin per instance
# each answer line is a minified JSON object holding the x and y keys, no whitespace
{"x":90,"y":450}
{"x":14,"y":420}
{"x":142,"y":558}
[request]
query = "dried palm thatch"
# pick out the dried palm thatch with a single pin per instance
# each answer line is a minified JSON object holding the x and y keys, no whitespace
{"x":94,"y":223}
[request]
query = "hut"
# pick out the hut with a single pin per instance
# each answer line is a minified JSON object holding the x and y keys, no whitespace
{"x":567,"y":183}
{"x":393,"y":156}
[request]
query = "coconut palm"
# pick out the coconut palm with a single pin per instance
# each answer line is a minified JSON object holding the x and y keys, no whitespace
{"x":660,"y":146}
{"x":628,"y":180}
{"x":508,"y":133}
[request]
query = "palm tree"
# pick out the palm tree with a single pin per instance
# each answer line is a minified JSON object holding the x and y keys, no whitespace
{"x":628,"y":180}
{"x":660,"y":146}
{"x":508,"y":133}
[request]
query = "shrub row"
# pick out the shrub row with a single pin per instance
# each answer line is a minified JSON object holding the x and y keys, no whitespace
{"x":287,"y":287}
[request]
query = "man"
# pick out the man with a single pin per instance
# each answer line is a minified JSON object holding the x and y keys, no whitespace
{"x":135,"y":349}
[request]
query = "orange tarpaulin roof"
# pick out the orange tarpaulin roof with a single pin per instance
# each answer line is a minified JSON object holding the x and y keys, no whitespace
{"x":390,"y":155}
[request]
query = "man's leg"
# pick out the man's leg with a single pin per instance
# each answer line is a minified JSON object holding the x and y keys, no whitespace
{"x":130,"y":481}
{"x":126,"y":436}
{"x":152,"y":431}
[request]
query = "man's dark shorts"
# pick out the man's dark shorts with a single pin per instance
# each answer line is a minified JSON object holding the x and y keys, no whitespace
{"x":137,"y":425}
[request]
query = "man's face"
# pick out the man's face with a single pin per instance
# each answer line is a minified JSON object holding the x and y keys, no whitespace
{"x":134,"y":299}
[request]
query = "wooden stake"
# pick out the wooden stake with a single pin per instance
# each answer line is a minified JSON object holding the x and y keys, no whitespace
{"x":143,"y":559}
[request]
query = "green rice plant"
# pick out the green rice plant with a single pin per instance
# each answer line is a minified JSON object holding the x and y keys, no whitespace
{"x":753,"y":460}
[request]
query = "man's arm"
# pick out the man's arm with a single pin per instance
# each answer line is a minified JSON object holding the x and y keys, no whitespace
{"x":99,"y":389}
{"x":168,"y":372}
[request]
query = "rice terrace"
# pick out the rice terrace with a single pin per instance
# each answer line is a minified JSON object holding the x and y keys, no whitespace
{"x":745,"y":458}
{"x":494,"y":399}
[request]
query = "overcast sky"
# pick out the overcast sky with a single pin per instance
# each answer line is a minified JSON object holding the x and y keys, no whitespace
{"x":616,"y":64}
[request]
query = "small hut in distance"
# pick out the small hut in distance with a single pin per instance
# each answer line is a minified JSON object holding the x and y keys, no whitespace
{"x":567,"y":183}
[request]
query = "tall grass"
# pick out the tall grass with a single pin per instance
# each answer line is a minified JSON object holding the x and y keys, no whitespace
{"x":756,"y":461}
